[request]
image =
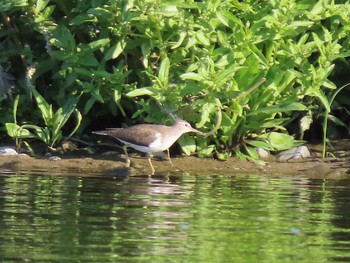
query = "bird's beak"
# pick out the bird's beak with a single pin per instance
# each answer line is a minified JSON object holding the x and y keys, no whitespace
{"x":197,"y":131}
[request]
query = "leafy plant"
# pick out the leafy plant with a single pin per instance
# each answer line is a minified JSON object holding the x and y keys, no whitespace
{"x":52,"y":132}
{"x":219,"y":53}
{"x":327,"y":115}
{"x":145,"y":59}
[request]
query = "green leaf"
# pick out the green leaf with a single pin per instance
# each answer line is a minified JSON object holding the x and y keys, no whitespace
{"x":65,"y":56}
{"x":45,"y":15}
{"x":322,"y":98}
{"x":256,"y":123}
{"x":80,"y":19}
{"x":95,"y":45}
{"x":63,"y":38}
{"x":83,"y":71}
{"x":318,"y":41}
{"x":283,"y":107}
{"x":192,"y":76}
{"x":40,"y":133}
{"x":207,"y":109}
{"x":62,"y":118}
{"x":95,"y":92}
{"x":140,"y":92}
{"x":115,"y":50}
{"x":78,"y":118}
{"x":329,"y":84}
{"x":222,"y":37}
{"x":10,"y":4}
{"x":117,"y":97}
{"x":145,"y":49}
{"x":337,"y":121}
{"x":202,"y":38}
{"x":164,"y":71}
{"x":15,"y":106}
{"x":101,"y":13}
{"x":88,"y":59}
{"x":228,"y":19}
{"x":44,"y":107}
{"x":15,"y":131}
{"x":224,"y":156}
{"x":240,"y":155}
{"x":168,"y":11}
{"x":261,"y":144}
{"x":89,"y":104}
{"x":57,"y":116}
{"x":281,"y":141}
{"x":298,"y":24}
{"x":191,"y":42}
{"x":188,"y":144}
{"x":40,"y":5}
{"x":43,"y":134}
{"x":252,"y":152}
{"x":207,"y":151}
{"x":183,"y":35}
{"x":257,"y":52}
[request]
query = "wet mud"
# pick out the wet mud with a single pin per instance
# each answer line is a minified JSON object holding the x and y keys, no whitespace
{"x":337,"y":166}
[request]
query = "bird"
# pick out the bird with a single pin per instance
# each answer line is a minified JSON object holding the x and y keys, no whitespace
{"x":149,"y":138}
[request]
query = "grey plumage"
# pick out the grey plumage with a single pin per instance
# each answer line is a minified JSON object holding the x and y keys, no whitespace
{"x":149,"y":138}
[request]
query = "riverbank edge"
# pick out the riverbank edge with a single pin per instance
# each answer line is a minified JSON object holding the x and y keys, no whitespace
{"x":99,"y":164}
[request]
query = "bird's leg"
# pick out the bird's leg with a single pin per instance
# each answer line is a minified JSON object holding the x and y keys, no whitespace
{"x":125,"y":148}
{"x":150,"y":163}
{"x":168,"y":153}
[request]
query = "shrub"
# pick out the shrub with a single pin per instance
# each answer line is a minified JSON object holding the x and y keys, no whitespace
{"x":183,"y":57}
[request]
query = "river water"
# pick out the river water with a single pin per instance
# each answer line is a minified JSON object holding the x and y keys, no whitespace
{"x":172,"y":218}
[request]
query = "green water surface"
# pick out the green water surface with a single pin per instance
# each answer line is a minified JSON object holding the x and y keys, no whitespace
{"x":173,"y":218}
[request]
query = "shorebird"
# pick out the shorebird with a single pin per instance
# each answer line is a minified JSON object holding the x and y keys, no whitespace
{"x":149,"y":138}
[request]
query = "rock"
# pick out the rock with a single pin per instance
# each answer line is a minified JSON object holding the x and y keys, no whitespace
{"x":54,"y":158}
{"x":7,"y":150}
{"x":294,"y":153}
{"x":24,"y":155}
{"x":262,"y":153}
{"x":69,"y":146}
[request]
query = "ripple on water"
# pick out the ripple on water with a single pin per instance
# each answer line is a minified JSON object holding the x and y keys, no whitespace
{"x":98,"y":218}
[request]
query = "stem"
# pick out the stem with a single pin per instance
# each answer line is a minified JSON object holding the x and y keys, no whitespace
{"x":218,"y":120}
{"x":252,"y":88}
{"x":325,"y":123}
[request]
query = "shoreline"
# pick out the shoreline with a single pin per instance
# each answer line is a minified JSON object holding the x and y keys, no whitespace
{"x":114,"y":165}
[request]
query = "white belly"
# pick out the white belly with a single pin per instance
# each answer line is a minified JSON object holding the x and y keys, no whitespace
{"x":156,"y":146}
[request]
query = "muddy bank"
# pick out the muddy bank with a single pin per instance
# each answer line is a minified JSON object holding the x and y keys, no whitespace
{"x":314,"y":167}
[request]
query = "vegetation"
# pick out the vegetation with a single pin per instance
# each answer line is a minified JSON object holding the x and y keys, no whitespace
{"x":144,"y":59}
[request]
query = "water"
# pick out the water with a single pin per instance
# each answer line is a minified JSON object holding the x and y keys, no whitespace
{"x":176,"y":218}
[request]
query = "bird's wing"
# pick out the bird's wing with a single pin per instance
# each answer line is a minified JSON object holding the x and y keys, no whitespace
{"x":142,"y":134}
